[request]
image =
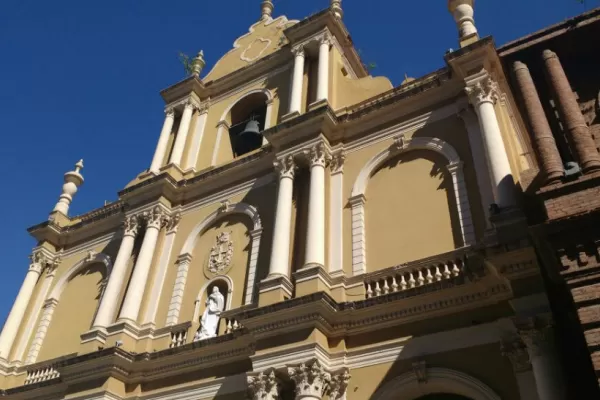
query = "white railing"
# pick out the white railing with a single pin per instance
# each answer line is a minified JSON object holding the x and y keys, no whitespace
{"x":178,"y":338}
{"x":41,"y":374}
{"x":409,"y":276}
{"x":232,"y":325}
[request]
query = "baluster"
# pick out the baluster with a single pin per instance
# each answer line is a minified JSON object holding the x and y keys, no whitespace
{"x":228,"y":329}
{"x":455,"y":270}
{"x":369,"y":290}
{"x":386,"y":288}
{"x":411,"y":281}
{"x":438,"y":274}
{"x":429,"y":276}
{"x":446,"y":272}
{"x":377,"y":289}
{"x":420,"y":278}
{"x":185,"y":337}
{"x":236,"y":325}
{"x":403,"y":283}
{"x":394,"y":284}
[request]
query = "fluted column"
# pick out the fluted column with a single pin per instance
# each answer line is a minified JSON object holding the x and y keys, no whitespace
{"x":336,"y":213}
{"x":318,"y":156}
{"x":133,"y":300}
{"x":574,"y":123}
{"x":264,"y":386}
{"x":198,"y":135}
{"x":17,"y":312}
{"x":483,"y":94}
{"x":110,"y":300}
{"x":323,"y":82}
{"x":297,"y":80}
{"x":163,"y":141}
{"x":550,"y":161}
{"x":280,"y":253}
{"x":182,"y":133}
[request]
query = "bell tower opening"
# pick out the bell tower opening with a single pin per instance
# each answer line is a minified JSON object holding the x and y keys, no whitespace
{"x":247,"y":123}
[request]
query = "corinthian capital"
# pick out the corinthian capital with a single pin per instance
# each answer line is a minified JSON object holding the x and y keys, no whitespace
{"x":338,"y":385}
{"x":155,"y":218}
{"x":131,"y":225}
{"x":514,"y":349}
{"x":337,"y":162}
{"x":286,"y":167}
{"x":263,"y":386}
{"x":310,"y":380}
{"x":38,"y":261}
{"x":482,"y":88}
{"x":318,"y":155}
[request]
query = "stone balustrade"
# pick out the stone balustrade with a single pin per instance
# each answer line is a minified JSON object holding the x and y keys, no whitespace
{"x":178,"y":338}
{"x":415,"y":274}
{"x":41,"y":374}
{"x":231,"y":325}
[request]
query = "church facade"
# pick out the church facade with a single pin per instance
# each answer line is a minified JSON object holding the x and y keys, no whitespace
{"x":304,"y":231}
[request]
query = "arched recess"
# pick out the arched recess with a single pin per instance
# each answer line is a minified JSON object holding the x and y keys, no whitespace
{"x":207,"y":285}
{"x":439,"y":380}
{"x":185,"y":257}
{"x":401,"y":145}
{"x":53,"y":300}
{"x":261,"y":98}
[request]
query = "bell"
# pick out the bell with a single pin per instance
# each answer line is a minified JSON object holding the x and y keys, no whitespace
{"x":251,"y":130}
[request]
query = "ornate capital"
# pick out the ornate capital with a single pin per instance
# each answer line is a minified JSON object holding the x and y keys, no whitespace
{"x":131,"y":225}
{"x":514,"y":349}
{"x":155,"y":218}
{"x":325,"y":38}
{"x":401,"y":143}
{"x":38,"y":261}
{"x":224,"y":207}
{"x":483,"y":89}
{"x":263,"y":386}
{"x":536,"y":333}
{"x":338,"y":385}
{"x":173,"y":223}
{"x":298,"y":50}
{"x":286,"y":167}
{"x":170,"y":112}
{"x":310,"y":380}
{"x":337,"y":162}
{"x":318,"y":155}
{"x":190,"y":105}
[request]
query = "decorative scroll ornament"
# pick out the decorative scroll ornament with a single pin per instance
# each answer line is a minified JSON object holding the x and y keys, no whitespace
{"x":221,"y":255}
{"x":38,"y":261}
{"x":131,"y":225}
{"x":310,"y":380}
{"x":338,"y":385}
{"x":337,"y":162}
{"x":483,"y":90}
{"x":401,"y":143}
{"x":225,"y":206}
{"x":318,"y":155}
{"x":155,"y":218}
{"x":173,"y":222}
{"x":263,"y":386}
{"x":286,"y":167}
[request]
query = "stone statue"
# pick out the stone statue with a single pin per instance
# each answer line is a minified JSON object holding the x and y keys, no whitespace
{"x":210,"y":319}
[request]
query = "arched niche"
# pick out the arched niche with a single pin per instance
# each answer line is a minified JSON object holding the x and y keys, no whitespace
{"x":225,"y":285}
{"x":244,"y":224}
{"x":254,"y":105}
{"x":451,"y":170}
{"x":70,"y":308}
{"x":440,"y":381}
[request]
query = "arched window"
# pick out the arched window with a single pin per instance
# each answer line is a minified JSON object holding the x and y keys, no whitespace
{"x":248,"y":118}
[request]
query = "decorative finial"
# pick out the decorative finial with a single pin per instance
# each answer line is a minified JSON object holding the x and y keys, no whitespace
{"x":73,"y":180}
{"x":267,"y":10}
{"x":336,"y":7}
{"x":198,"y":63}
{"x":462,"y":11}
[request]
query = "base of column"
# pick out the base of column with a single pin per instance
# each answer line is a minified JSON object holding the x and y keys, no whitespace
{"x":93,"y":340}
{"x":274,"y":289}
{"x":318,"y":104}
{"x":290,"y":116}
{"x":312,"y":278}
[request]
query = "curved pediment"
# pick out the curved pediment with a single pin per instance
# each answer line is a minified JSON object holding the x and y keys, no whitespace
{"x":263,"y":39}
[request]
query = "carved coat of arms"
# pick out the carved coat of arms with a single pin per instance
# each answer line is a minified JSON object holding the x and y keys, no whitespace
{"x":221,"y":254}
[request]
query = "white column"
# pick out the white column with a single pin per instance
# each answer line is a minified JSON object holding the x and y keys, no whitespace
{"x":222,"y":129}
{"x":255,"y":236}
{"x":163,"y":141}
{"x":194,"y":151}
{"x":182,"y":132}
{"x":11,"y":326}
{"x":110,"y":300}
{"x":163,"y":265}
{"x":135,"y":292}
{"x":481,"y":168}
{"x":268,"y":117}
{"x":323,"y":82}
{"x":315,"y":233}
{"x":280,"y":253}
{"x":297,"y":80}
{"x":336,"y":214}
{"x":42,"y":330}
{"x":483,"y":94}
{"x":462,"y":203}
{"x":359,"y":248}
{"x":548,"y":377}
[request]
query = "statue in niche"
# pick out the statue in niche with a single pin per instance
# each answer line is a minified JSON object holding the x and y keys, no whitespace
{"x":210,"y":319}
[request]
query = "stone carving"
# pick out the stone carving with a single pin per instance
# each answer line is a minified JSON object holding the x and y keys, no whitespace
{"x":311,"y":381}
{"x":483,"y":90}
{"x":338,"y":385}
{"x":225,"y":206}
{"x":210,"y":319}
{"x":221,"y":254}
{"x":38,"y":261}
{"x":318,"y":155}
{"x":337,"y":162}
{"x":286,"y":167}
{"x":515,"y":350}
{"x":263,"y":386}
{"x":91,"y":255}
{"x":401,"y":143}
{"x":155,"y":218}
{"x":298,"y":50}
{"x":131,"y":225}
{"x":173,"y":223}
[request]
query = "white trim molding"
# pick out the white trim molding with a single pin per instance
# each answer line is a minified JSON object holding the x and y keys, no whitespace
{"x":402,"y":144}
{"x":53,"y":299}
{"x":185,"y":257}
{"x":409,"y":386}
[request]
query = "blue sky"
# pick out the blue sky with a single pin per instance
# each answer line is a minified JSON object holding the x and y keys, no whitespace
{"x":80,"y":79}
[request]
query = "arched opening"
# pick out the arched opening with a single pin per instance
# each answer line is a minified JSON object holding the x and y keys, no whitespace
{"x":248,"y":118}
